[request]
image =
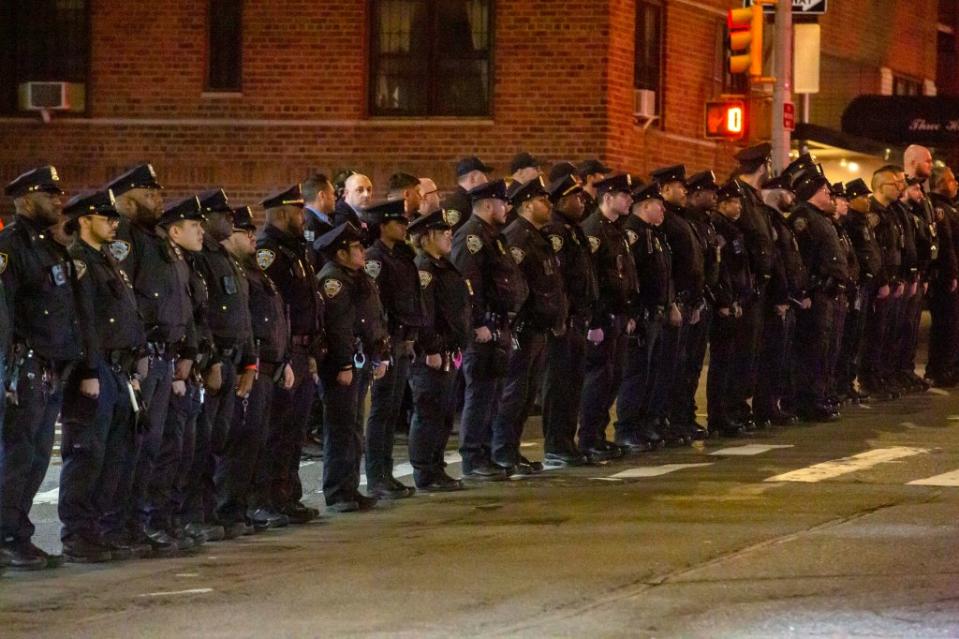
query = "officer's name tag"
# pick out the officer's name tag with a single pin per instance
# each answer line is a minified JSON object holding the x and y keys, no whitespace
{"x":229,"y":285}
{"x":58,"y":273}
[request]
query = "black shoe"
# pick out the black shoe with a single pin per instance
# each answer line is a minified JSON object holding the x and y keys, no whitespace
{"x":560,"y":460}
{"x":264,"y":518}
{"x":635,"y":443}
{"x":80,"y":550}
{"x":725,"y":427}
{"x":485,"y":472}
{"x":298,"y":513}
{"x":342,"y":506}
{"x":819,"y":413}
{"x":387,"y":491}
{"x":122,"y":548}
{"x":237,"y":529}
{"x":522,"y":469}
{"x":138,"y":542}
{"x":597,"y":455}
{"x":21,"y":557}
{"x":203,"y":533}
{"x":537,"y":467}
{"x":364,"y":502}
{"x":183,"y":539}
{"x":440,"y":482}
{"x":616,"y":451}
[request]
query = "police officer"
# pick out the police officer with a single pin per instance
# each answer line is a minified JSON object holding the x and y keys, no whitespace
{"x":943,"y":187}
{"x":637,"y":427}
{"x":282,"y":254}
{"x":49,"y":339}
{"x":498,"y":290}
{"x":876,"y":375}
{"x":566,"y":351}
{"x":942,"y":294}
{"x":544,"y":312}
{"x":98,"y":447}
{"x":839,"y":209}
{"x":357,"y":338}
{"x":774,"y":401}
{"x":735,"y":288}
{"x":242,"y":477}
{"x":671,"y":397}
{"x":161,"y":281}
{"x":916,"y":252}
{"x":610,"y":324}
{"x":390,"y":264}
{"x":860,"y":228}
{"x":405,"y":187}
{"x":829,"y":278}
{"x":525,"y":168}
{"x":471,"y":172}
{"x":445,"y":333}
{"x":700,"y":202}
{"x":590,"y":173}
{"x":230,"y":367}
{"x":181,"y":225}
{"x":753,"y":169}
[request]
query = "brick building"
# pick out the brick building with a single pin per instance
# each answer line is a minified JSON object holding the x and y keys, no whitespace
{"x":253,"y":95}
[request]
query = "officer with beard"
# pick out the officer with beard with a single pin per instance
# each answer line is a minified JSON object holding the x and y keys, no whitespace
{"x":161,"y":280}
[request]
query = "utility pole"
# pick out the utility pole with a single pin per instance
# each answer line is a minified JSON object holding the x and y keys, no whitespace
{"x":782,"y":90}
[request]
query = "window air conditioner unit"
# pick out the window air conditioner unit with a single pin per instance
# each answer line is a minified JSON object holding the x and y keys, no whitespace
{"x":644,"y":104}
{"x":52,"y":96}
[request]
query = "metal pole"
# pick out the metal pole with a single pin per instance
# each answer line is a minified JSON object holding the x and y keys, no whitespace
{"x":782,"y":91}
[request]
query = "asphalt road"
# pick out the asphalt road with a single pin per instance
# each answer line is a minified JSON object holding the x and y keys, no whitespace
{"x":846,"y":529}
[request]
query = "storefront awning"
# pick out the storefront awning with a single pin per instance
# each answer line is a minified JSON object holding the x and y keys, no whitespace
{"x":904,"y":119}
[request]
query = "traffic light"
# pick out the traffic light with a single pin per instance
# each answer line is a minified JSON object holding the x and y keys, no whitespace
{"x":745,"y":40}
{"x":726,"y":119}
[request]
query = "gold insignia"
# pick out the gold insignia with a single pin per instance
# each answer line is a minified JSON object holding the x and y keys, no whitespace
{"x":557,"y":243}
{"x":53,"y":174}
{"x":264,"y":258}
{"x":872,"y":219}
{"x":474,"y":244}
{"x":81,"y":268}
{"x":593,"y":243}
{"x":452,"y":216}
{"x":4,"y":260}
{"x":332,"y":288}
{"x":119,"y":249}
{"x":373,"y":268}
{"x":631,"y":236}
{"x":425,"y":278}
{"x":517,"y":253}
{"x":800,"y":224}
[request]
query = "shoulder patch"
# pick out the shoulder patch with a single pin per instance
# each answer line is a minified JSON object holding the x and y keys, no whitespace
{"x":872,"y":219}
{"x":332,"y":288}
{"x":452,"y":216}
{"x":593,"y":243}
{"x":631,"y":236}
{"x":800,"y":224}
{"x":474,"y":244}
{"x":4,"y":260}
{"x":557,"y":242}
{"x":425,"y":278}
{"x":373,"y":268}
{"x":119,"y":249}
{"x":80,"y":267}
{"x":517,"y":253}
{"x":264,"y":258}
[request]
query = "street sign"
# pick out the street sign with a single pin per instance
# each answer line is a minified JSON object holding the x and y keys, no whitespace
{"x":800,"y":7}
{"x":789,"y":116}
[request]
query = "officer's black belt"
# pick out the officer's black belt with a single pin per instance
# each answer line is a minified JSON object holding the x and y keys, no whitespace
{"x":301,"y":340}
{"x":269,"y":369}
{"x":165,"y":350}
{"x":122,"y":359}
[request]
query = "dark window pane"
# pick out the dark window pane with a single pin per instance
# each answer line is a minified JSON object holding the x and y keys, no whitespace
{"x":225,"y":46}
{"x":430,"y":57}
{"x":649,"y":45}
{"x":52,"y":48}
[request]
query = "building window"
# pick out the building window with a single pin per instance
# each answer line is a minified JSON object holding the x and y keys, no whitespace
{"x":225,"y":45}
{"x":647,"y":73}
{"x":430,"y":57}
{"x":906,"y":86}
{"x":42,"y":40}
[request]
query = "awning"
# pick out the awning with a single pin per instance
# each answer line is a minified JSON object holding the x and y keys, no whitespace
{"x":831,"y":138}
{"x":904,"y":119}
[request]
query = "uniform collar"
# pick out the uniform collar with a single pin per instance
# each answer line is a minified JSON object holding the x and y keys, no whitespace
{"x":283,"y":237}
{"x":319,"y":215}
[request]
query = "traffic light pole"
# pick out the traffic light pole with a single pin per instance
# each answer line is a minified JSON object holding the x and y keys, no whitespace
{"x":782,"y":90}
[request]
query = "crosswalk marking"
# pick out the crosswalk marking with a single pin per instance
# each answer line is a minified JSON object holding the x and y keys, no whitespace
{"x":748,"y":450}
{"x":48,"y":497}
{"x":837,"y":467}
{"x":945,"y":479}
{"x":654,"y":471}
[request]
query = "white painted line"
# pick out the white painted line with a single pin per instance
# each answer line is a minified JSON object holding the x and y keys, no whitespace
{"x":748,"y":450}
{"x":304,"y":464}
{"x":605,"y":479}
{"x":187,"y":574}
{"x":909,"y":424}
{"x":945,"y":479}
{"x":528,"y":445}
{"x":654,"y":471}
{"x":866,"y":406}
{"x":953,"y":418}
{"x":176,"y":593}
{"x":48,"y":497}
{"x":836,"y":467}
{"x":939,"y":391}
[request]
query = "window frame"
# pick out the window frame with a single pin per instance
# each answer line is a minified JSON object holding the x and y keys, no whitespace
{"x":430,"y":78}
{"x":660,"y":6}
